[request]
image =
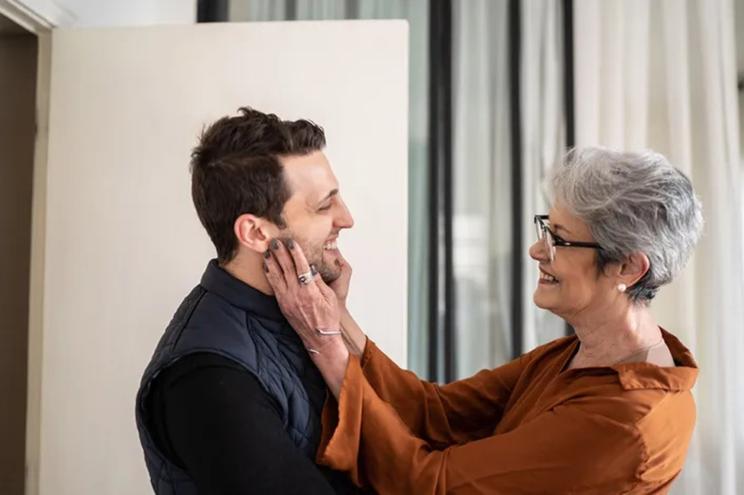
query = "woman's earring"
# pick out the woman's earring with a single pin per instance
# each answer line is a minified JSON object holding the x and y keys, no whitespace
{"x":622,"y":287}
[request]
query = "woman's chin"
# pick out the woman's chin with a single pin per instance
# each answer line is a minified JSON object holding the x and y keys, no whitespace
{"x":543,"y":300}
{"x":538,"y":302}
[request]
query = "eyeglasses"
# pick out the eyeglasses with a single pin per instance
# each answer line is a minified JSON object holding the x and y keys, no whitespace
{"x":551,"y":239}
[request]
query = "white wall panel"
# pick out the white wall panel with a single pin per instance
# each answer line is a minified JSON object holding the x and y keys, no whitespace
{"x":123,"y":244}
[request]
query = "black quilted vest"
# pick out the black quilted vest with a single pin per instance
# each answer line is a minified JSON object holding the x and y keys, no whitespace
{"x":227,"y":317}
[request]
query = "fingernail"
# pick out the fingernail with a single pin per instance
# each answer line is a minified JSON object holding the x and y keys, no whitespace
{"x":290,"y":243}
{"x":313,"y":270}
{"x":267,"y":254}
{"x":266,"y":268}
{"x":338,"y":263}
{"x":274,"y":244}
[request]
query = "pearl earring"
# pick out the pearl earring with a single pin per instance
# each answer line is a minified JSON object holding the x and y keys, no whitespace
{"x":622,"y":287}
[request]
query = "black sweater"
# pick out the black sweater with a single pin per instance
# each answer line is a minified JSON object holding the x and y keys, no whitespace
{"x":213,"y":419}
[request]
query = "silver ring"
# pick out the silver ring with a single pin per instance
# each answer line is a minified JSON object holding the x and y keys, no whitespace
{"x":305,"y":278}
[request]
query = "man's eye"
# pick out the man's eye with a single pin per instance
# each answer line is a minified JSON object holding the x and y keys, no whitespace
{"x":325,"y":208}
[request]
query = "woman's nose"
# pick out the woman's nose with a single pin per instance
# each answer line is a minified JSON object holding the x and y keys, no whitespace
{"x":537,"y":251}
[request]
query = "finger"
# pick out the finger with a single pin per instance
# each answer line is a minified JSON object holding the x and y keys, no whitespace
{"x":281,"y":256}
{"x":343,"y":264}
{"x":341,"y":260}
{"x":298,"y":257}
{"x":274,"y":274}
{"x":325,"y":290}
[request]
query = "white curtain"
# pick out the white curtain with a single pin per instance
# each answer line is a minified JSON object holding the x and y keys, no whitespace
{"x":543,"y":144}
{"x":483,"y":231}
{"x":483,"y":253}
{"x":661,"y":74}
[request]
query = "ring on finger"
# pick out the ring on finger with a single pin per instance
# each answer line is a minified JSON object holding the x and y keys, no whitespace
{"x":305,"y":278}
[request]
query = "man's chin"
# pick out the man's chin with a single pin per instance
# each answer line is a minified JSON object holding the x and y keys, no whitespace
{"x":328,"y":269}
{"x":329,"y":276}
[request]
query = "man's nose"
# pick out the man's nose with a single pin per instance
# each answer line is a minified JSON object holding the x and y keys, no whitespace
{"x":343,"y":219}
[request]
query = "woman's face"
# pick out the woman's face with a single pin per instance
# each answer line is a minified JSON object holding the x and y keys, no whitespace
{"x":570,"y":286}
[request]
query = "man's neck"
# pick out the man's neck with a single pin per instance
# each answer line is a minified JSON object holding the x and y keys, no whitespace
{"x":248,"y":268}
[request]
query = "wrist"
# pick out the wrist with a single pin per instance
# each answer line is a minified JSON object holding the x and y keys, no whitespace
{"x":332,"y":361}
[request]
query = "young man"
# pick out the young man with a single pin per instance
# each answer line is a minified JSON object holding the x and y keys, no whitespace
{"x":230,"y":401}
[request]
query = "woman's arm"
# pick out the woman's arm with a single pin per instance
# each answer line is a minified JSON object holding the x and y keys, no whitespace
{"x":454,"y":413}
{"x":442,"y":415}
{"x":564,"y":450}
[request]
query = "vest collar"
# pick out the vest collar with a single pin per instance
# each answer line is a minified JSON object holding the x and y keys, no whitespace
{"x":240,"y":294}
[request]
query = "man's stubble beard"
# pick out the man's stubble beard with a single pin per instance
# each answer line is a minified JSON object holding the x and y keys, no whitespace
{"x":314,"y":256}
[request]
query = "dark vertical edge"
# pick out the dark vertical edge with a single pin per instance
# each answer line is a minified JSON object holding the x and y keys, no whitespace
{"x":568,"y":85}
{"x":448,"y":191}
{"x":212,"y":10}
{"x":291,"y":12}
{"x":515,"y":61}
{"x":433,"y":188}
{"x":568,"y":73}
{"x":441,"y":352}
{"x":352,"y":9}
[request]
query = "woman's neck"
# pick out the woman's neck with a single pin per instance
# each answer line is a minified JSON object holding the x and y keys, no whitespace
{"x":610,"y":338}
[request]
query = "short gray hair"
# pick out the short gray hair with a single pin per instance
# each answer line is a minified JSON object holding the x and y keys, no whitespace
{"x":631,"y":202}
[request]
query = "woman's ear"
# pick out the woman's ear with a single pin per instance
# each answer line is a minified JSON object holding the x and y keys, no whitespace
{"x":634,"y":268}
{"x":254,"y":232}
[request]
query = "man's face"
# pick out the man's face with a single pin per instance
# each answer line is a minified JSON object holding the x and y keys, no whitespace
{"x":315,"y":212}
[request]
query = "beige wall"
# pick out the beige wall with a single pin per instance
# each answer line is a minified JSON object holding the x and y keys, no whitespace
{"x":17,"y":104}
{"x":122,"y":243}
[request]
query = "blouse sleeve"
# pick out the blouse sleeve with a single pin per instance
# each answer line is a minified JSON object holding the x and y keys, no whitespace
{"x":560,"y":451}
{"x":455,"y":413}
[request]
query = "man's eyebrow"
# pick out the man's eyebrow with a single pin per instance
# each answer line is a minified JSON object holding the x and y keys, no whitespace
{"x":329,"y":196}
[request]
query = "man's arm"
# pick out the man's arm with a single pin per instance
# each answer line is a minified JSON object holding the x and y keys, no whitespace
{"x":227,"y":432}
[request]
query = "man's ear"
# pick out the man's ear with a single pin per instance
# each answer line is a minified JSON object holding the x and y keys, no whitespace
{"x":634,"y":268}
{"x":254,"y":232}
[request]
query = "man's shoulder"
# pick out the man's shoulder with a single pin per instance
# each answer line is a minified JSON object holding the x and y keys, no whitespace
{"x":209,"y":370}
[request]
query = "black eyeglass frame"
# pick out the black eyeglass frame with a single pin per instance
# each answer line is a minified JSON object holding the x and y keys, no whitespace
{"x":558,"y":240}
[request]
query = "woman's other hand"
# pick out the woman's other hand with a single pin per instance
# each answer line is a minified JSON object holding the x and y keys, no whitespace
{"x":340,"y":286}
{"x":355,"y":338}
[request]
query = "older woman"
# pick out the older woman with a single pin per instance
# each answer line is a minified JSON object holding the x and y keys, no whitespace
{"x":606,"y":411}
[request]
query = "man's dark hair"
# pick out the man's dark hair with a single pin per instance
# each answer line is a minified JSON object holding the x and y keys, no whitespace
{"x":235,"y":169}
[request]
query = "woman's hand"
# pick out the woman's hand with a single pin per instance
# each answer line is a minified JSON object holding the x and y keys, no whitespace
{"x":354,"y":337}
{"x":311,"y":307}
{"x":341,"y":285}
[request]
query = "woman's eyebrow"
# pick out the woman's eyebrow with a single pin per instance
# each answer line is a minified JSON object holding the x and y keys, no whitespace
{"x":557,"y":226}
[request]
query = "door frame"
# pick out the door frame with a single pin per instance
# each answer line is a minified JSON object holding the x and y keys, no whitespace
{"x":39,"y":17}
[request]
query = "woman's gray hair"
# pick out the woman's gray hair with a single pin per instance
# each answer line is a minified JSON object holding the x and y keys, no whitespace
{"x":631,"y":202}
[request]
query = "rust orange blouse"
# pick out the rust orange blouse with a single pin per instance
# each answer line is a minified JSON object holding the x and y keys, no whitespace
{"x":530,"y":426}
